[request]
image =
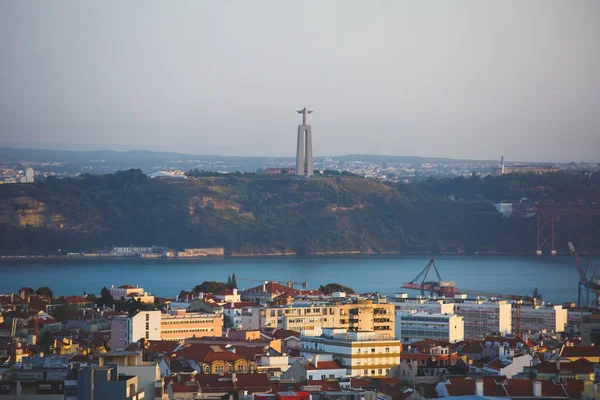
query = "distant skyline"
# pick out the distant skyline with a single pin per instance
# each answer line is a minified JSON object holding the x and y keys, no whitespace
{"x":463,"y":79}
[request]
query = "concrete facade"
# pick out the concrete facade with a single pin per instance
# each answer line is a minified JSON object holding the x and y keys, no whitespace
{"x":361,"y":353}
{"x":128,"y":329}
{"x":414,"y":326}
{"x":364,"y":315}
{"x":483,"y":317}
{"x":550,"y":319}
{"x":180,"y":325}
{"x":304,"y":156}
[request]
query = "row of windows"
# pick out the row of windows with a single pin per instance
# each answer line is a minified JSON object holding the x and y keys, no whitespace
{"x":186,"y":321}
{"x":379,"y":371}
{"x":187,"y":330}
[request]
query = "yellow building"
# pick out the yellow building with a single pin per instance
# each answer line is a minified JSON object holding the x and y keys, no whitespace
{"x":369,"y":353}
{"x":363,"y":315}
{"x":180,"y":325}
{"x":214,"y":359}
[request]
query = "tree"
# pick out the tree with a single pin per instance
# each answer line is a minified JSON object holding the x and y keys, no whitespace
{"x":335,"y":287}
{"x":209,"y":287}
{"x":106,"y":299}
{"x":229,"y":282}
{"x":233,"y":281}
{"x":44,"y":291}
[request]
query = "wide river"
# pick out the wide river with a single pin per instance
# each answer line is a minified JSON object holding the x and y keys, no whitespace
{"x":555,"y":277}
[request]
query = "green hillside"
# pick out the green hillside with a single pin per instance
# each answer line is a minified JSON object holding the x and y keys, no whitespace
{"x":259,"y":215}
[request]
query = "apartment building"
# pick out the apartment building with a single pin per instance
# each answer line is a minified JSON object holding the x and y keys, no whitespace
{"x":413,"y":326}
{"x":362,"y":315}
{"x":363,"y":354}
{"x":134,"y":292}
{"x":125,"y":329}
{"x":540,"y":318}
{"x":403,"y":303}
{"x":180,"y":325}
{"x":483,"y":317}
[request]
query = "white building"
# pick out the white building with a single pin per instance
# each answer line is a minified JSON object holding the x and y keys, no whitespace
{"x":484,"y":317}
{"x":403,"y":303}
{"x":414,"y":326}
{"x":364,"y":353}
{"x":540,"y":318}
{"x":508,"y":366}
{"x":125,"y":330}
{"x":250,"y":318}
{"x":323,"y":366}
{"x":127,"y":291}
{"x":228,"y":295}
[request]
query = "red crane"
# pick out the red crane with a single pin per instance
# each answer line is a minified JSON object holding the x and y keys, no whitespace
{"x":444,"y":288}
{"x":586,"y":285}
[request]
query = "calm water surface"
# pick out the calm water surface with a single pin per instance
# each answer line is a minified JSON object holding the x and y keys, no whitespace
{"x":555,"y":277}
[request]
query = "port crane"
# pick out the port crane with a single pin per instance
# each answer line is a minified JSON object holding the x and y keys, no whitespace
{"x":586,"y":285}
{"x":448,"y":288}
{"x":444,"y":288}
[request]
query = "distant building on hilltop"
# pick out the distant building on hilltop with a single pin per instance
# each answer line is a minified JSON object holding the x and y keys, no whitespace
{"x":526,"y":169}
{"x":29,"y":176}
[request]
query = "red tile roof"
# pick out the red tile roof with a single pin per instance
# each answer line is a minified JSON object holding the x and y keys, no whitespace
{"x":461,"y":387}
{"x":580,"y":366}
{"x":495,"y":364}
{"x":77,"y":300}
{"x":519,"y":388}
{"x":552,"y":389}
{"x":224,"y":292}
{"x":573,"y":387}
{"x":472,"y":348}
{"x":216,"y":383}
{"x":240,"y":304}
{"x":580,"y":351}
{"x":161,"y":346}
{"x":185,"y":387}
{"x":493,"y":388}
{"x":331,"y":385}
{"x":127,"y":287}
{"x":274,"y":288}
{"x":322,"y":365}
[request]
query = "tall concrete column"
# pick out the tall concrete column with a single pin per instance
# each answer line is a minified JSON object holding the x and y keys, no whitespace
{"x":300,"y":152}
{"x":304,"y":157}
{"x":308,"y":147}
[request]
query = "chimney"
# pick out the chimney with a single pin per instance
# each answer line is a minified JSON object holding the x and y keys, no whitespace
{"x":12,"y":297}
{"x":479,"y":387}
{"x":265,"y":287}
{"x":537,"y":389}
{"x":502,"y":165}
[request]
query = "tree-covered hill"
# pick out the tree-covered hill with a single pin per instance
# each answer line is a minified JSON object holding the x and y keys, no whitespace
{"x":259,"y":215}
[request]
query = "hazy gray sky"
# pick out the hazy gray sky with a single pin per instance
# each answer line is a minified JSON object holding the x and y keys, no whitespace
{"x":463,"y":79}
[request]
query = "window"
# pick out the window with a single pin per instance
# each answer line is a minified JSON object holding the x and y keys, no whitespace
{"x":147,"y":317}
{"x":366,"y":372}
{"x":387,"y":349}
{"x":380,"y":371}
{"x":372,"y":350}
{"x":372,"y":372}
